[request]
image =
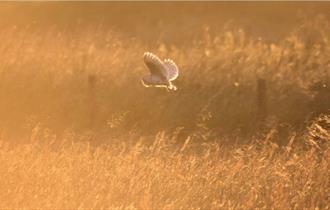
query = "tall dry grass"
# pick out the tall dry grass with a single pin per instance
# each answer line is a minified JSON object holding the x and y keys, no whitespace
{"x":101,"y":140}
{"x":164,"y":174}
{"x":45,"y":79}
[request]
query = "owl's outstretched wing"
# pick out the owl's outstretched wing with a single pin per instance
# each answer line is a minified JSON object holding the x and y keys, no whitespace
{"x":172,"y":69}
{"x":153,"y":80}
{"x":155,"y":65}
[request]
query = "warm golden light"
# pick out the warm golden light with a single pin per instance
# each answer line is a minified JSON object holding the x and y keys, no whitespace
{"x":245,"y":125}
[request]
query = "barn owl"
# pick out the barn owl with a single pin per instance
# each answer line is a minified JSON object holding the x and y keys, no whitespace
{"x":162,"y":73}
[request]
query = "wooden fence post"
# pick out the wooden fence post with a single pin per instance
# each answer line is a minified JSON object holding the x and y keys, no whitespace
{"x":92,"y":100}
{"x":261,"y":100}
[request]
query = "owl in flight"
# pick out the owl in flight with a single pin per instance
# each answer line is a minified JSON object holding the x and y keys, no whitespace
{"x":162,"y":73}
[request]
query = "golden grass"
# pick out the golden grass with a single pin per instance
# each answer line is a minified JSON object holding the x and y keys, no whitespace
{"x":101,"y":140}
{"x":164,"y":174}
{"x":45,"y":79}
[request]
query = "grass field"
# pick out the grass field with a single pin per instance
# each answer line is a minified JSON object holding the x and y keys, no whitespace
{"x":161,"y":173}
{"x":78,"y":129}
{"x":89,"y":78}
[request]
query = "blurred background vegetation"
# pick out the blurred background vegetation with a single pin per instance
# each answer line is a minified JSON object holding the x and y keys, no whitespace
{"x":76,"y":67}
{"x":248,"y":127}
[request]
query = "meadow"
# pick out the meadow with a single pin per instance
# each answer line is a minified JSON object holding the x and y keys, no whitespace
{"x":137,"y":173}
{"x":78,"y":129}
